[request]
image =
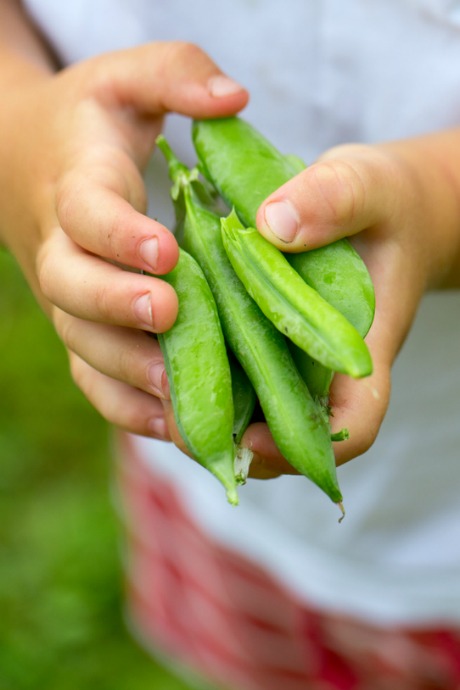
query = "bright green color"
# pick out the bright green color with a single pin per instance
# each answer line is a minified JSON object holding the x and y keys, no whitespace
{"x":243,"y":166}
{"x":246,"y":168}
{"x":347,"y":286}
{"x":244,"y":399}
{"x":199,"y":374}
{"x":317,"y":377}
{"x":294,"y":307}
{"x":341,"y":277}
{"x":298,"y":425}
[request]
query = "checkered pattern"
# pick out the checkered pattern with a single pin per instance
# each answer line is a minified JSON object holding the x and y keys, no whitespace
{"x":210,"y":609}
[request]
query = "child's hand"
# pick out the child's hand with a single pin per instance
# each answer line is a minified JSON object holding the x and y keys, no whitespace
{"x":399,"y":202}
{"x":72,"y":207}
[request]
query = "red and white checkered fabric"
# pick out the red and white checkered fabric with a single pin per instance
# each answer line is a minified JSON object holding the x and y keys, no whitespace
{"x":210,"y":609}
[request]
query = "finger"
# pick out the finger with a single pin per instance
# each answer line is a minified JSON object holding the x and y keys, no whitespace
{"x":267,"y":461}
{"x":119,"y":403}
{"x":360,"y":405}
{"x":170,"y":76}
{"x":349,"y":190}
{"x":101,"y":200}
{"x":100,"y":207}
{"x":173,"y":429}
{"x":106,"y":293}
{"x":127,"y":355}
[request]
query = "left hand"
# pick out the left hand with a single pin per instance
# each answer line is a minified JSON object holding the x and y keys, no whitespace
{"x":73,"y":146}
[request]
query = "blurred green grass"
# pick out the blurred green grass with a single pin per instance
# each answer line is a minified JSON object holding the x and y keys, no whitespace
{"x":61,"y":588}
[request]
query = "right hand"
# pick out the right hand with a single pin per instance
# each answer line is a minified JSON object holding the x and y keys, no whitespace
{"x":72,"y":199}
{"x":398,"y":203}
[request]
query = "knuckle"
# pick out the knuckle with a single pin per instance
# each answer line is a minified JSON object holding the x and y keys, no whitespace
{"x":184,"y":52}
{"x":128,"y":367}
{"x":65,"y":328}
{"x":180,"y":61}
{"x":342,"y":188}
{"x":116,"y":243}
{"x":79,"y":373}
{"x":66,"y":204}
{"x":136,"y":189}
{"x":104,"y":308}
{"x":44,"y":271}
{"x":129,"y":358}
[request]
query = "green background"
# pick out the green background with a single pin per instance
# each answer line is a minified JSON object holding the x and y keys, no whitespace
{"x":61,"y":585}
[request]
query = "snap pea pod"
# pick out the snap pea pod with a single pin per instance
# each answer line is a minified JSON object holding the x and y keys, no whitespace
{"x":294,"y":307}
{"x":298,"y":425}
{"x":331,"y":277}
{"x":198,"y":372}
{"x":246,"y":168}
{"x":342,"y":278}
{"x":244,"y":399}
{"x":243,"y":166}
{"x":317,"y":377}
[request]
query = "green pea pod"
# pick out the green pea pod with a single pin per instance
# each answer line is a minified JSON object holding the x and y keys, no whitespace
{"x":332,"y":277}
{"x":199,"y":374}
{"x":317,"y":377}
{"x":243,"y":166}
{"x":294,"y":307}
{"x":298,"y":425}
{"x":246,"y":168}
{"x":332,"y":274}
{"x":244,"y":399}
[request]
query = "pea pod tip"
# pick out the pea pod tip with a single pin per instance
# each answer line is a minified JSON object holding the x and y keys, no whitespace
{"x":232,"y":496}
{"x":342,"y":510}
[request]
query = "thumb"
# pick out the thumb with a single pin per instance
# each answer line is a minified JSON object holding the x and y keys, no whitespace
{"x":344,"y":192}
{"x":170,"y":76}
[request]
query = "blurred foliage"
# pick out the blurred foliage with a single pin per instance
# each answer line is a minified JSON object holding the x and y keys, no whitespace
{"x":61,"y":585}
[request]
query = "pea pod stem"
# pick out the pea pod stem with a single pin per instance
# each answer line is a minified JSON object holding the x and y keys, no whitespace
{"x":342,"y":435}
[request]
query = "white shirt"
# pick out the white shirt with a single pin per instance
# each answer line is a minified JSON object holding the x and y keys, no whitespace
{"x":321,"y":73}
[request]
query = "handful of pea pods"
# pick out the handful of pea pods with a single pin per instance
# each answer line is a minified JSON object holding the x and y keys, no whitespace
{"x":286,"y":323}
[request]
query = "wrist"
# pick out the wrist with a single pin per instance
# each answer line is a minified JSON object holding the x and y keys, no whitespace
{"x":21,"y":40}
{"x":431,"y":169}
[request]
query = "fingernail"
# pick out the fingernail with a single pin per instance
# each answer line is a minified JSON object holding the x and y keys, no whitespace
{"x":158,"y":429}
{"x":149,"y":252}
{"x":282,"y":220}
{"x":220,"y":85}
{"x":143,"y":309}
{"x":159,"y":380}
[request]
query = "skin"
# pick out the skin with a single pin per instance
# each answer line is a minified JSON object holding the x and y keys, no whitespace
{"x":78,"y":139}
{"x":399,"y":201}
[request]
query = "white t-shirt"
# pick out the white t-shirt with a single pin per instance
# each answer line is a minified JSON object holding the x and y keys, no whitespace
{"x":321,"y":73}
